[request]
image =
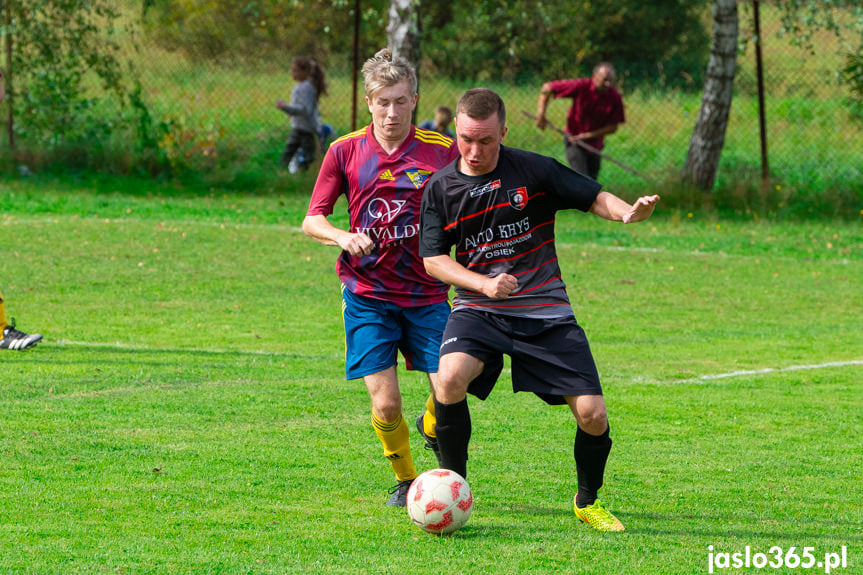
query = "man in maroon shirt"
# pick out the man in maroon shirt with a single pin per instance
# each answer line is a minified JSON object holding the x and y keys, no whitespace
{"x":596,"y":110}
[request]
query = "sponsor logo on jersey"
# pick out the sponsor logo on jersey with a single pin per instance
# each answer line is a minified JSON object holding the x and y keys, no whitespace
{"x":390,"y":235}
{"x":384,"y":230}
{"x":518,"y":198}
{"x":385,"y":211}
{"x":386,"y":175}
{"x":418,"y":177}
{"x":485,"y":188}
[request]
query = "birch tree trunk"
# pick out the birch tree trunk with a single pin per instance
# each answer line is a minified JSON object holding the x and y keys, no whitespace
{"x":708,"y":137}
{"x":403,"y":30}
{"x":403,"y":33}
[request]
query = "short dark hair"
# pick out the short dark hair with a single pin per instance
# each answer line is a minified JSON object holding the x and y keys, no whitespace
{"x":480,"y":104}
{"x":445,"y":112}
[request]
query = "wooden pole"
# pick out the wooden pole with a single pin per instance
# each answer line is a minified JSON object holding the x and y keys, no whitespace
{"x":762,"y":120}
{"x":10,"y":91}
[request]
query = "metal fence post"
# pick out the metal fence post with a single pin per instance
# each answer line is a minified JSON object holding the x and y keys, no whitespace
{"x":762,"y":120}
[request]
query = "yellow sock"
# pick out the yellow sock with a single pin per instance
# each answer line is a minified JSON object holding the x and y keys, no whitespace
{"x":429,"y":419}
{"x":3,"y":322}
{"x":397,"y":447}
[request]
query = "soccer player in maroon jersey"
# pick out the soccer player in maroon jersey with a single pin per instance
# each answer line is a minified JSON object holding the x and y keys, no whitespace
{"x":390,"y":303}
{"x":496,"y":205}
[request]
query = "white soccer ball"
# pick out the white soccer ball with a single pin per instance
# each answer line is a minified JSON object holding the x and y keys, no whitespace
{"x":439,"y":501}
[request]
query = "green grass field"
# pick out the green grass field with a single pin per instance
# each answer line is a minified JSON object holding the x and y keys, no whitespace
{"x":187,"y":411}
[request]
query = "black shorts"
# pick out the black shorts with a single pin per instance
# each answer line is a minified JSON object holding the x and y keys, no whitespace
{"x":550,"y":357}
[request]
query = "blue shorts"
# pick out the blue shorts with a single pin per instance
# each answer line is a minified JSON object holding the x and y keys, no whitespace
{"x":375,"y":330}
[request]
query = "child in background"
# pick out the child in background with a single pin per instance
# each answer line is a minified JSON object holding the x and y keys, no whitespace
{"x":326,"y":135}
{"x":442,"y":120}
{"x":303,"y":109}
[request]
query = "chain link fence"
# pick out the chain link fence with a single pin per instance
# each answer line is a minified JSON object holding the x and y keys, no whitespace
{"x":221,"y":120}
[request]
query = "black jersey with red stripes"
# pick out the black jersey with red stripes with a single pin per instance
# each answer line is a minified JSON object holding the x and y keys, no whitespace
{"x":503,"y":222}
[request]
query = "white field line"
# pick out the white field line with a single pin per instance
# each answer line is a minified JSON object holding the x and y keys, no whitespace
{"x":789,"y":368}
{"x":703,"y":378}
{"x":694,"y":253}
{"x":717,"y":376}
{"x":146,"y":348}
{"x":743,"y":372}
{"x":624,"y":248}
{"x":13,"y":220}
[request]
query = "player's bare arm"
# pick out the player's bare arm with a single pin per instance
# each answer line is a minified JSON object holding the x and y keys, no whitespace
{"x":321,"y":230}
{"x":542,"y":106}
{"x":451,"y":272}
{"x":611,"y":207}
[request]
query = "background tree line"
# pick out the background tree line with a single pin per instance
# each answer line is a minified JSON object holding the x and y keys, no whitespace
{"x":655,"y":41}
{"x":72,"y":87}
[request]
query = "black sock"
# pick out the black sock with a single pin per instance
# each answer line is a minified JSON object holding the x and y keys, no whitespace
{"x":453,"y":434}
{"x":591,"y":453}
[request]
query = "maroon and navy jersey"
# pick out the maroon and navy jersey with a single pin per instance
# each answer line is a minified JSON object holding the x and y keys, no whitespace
{"x":590,"y":110}
{"x":503,"y":222}
{"x":384,"y":192}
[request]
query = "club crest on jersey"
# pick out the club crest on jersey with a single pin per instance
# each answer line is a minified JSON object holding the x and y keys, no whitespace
{"x":518,"y":198}
{"x":386,"y":175}
{"x":485,"y":188}
{"x":418,"y":177}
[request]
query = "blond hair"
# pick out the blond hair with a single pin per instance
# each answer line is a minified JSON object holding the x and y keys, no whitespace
{"x":383,"y":71}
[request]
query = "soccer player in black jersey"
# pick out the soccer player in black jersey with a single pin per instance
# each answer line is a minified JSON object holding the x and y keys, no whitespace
{"x":496,"y":205}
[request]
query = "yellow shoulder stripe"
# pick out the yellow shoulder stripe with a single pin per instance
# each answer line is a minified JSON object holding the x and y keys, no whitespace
{"x":349,"y":136}
{"x":431,"y":137}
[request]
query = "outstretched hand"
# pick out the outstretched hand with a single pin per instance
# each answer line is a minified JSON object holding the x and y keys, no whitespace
{"x":641,"y":209}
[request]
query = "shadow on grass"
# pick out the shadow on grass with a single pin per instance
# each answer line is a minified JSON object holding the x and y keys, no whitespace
{"x":102,"y":368}
{"x":528,"y":510}
{"x":784,"y":529}
{"x":682,"y":524}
